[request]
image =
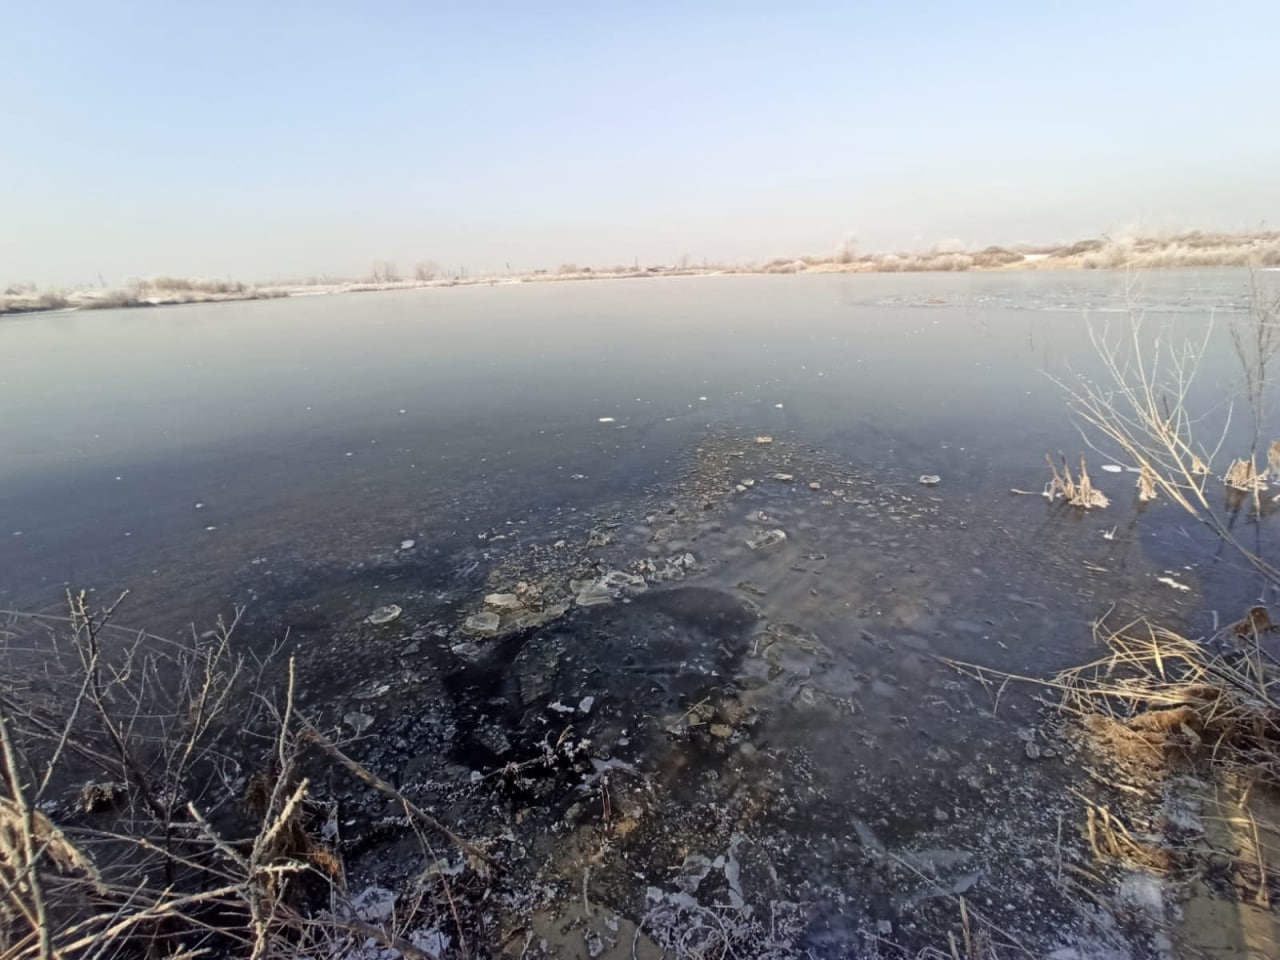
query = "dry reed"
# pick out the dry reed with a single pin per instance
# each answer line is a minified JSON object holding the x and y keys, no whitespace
{"x":1146,"y":484}
{"x":1075,"y":491}
{"x":1243,"y":476}
{"x":1139,"y":408}
{"x":1155,"y":694}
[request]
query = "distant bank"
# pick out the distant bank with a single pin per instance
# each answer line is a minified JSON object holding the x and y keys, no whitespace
{"x":1194,"y":249}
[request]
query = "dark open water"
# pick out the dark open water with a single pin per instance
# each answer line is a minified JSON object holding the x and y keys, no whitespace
{"x":324,"y":431}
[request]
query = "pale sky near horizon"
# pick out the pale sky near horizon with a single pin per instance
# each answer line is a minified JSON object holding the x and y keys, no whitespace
{"x":280,"y":140}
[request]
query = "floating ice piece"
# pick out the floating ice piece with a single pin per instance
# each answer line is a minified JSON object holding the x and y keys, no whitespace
{"x":503,"y":601}
{"x":407,"y":544}
{"x":618,"y":579}
{"x":374,"y":904}
{"x":765,"y":538}
{"x":593,"y":594}
{"x":764,"y":439}
{"x":778,"y":406}
{"x":372,"y":691}
{"x":483,"y":624}
{"x":1113,"y":468}
{"x":1170,"y":582}
{"x":606,"y":420}
{"x":930,"y":479}
{"x":359,"y":722}
{"x":383,"y":614}
{"x":433,"y":942}
{"x":586,"y":703}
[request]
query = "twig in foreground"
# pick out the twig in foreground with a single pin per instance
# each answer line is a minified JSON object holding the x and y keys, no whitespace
{"x":361,"y":772}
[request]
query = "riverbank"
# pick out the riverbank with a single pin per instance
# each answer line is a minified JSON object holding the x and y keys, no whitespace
{"x":1189,"y":250}
{"x":161,"y":292}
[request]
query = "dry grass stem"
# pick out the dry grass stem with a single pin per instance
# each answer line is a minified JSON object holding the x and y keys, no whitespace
{"x":124,"y":757}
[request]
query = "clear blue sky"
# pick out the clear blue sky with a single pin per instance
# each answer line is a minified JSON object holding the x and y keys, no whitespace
{"x":280,"y":139}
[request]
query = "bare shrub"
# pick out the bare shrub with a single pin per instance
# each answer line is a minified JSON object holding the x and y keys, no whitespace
{"x":1080,"y":247}
{"x":996,"y":257}
{"x":783,"y":265}
{"x":26,"y":298}
{"x":949,"y":261}
{"x":113,"y":299}
{"x":155,"y":803}
{"x":1197,"y":240}
{"x":1110,"y":255}
{"x":887,"y":263}
{"x":847,"y":252}
{"x":1139,"y":408}
{"x":179,"y":285}
{"x":384,"y":271}
{"x":1172,"y":252}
